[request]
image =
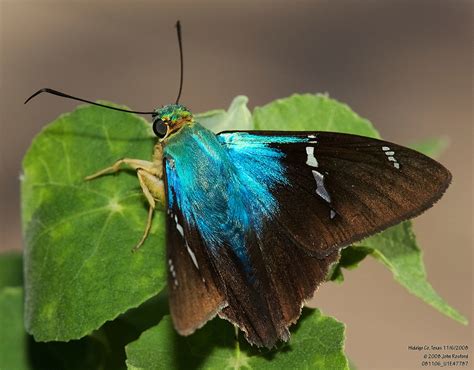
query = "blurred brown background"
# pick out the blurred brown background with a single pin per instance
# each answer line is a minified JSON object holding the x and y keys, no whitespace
{"x":405,"y":65}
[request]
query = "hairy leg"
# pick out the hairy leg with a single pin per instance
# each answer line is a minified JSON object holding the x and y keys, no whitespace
{"x":150,"y":176}
{"x":132,"y":163}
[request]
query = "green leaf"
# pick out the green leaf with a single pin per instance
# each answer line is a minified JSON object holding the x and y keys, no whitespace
{"x":79,"y":269}
{"x":237,"y":117}
{"x":397,"y":249}
{"x":352,"y":365}
{"x":126,"y":328}
{"x":431,"y":147}
{"x":350,"y":259}
{"x":311,"y":112}
{"x":86,"y":353}
{"x":19,"y":351}
{"x":13,"y":341}
{"x":317,"y":343}
{"x":11,"y":269}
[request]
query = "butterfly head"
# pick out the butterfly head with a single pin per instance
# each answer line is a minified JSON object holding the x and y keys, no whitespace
{"x":169,"y":119}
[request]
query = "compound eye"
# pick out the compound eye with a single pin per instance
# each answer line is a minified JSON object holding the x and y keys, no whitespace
{"x":160,"y":128}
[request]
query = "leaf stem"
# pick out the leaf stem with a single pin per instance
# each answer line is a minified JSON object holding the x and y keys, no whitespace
{"x":237,"y":343}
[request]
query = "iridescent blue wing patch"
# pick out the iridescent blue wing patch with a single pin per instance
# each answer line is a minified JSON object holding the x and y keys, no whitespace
{"x":336,"y":188}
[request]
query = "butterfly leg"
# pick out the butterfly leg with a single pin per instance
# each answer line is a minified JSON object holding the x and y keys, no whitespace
{"x":133,"y":163}
{"x":154,"y":190}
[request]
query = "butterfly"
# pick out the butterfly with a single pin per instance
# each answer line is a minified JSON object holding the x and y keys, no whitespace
{"x":256,"y":219}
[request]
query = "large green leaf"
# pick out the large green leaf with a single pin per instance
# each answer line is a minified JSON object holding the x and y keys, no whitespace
{"x":311,"y":112}
{"x":316,"y":343}
{"x":19,"y":351}
{"x":13,"y":341}
{"x":350,"y":259}
{"x":126,"y":328}
{"x":103,"y":349}
{"x":11,"y":269}
{"x":431,"y":147}
{"x":79,"y":268}
{"x":237,"y":117}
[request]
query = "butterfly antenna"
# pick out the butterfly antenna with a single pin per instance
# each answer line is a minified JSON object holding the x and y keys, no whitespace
{"x":63,"y":95}
{"x":180,"y":43}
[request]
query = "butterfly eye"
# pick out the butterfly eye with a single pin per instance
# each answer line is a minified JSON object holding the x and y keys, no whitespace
{"x":160,"y":128}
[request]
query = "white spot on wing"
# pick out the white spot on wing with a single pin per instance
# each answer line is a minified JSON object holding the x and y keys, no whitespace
{"x":172,"y":272}
{"x":193,"y":256}
{"x":181,"y":232}
{"x":178,"y":226}
{"x":320,"y":188}
{"x":391,"y":156}
{"x":311,"y":161}
{"x":332,"y":214}
{"x":312,"y":141}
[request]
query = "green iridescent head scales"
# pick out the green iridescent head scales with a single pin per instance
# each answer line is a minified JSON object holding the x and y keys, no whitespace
{"x":173,"y":113}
